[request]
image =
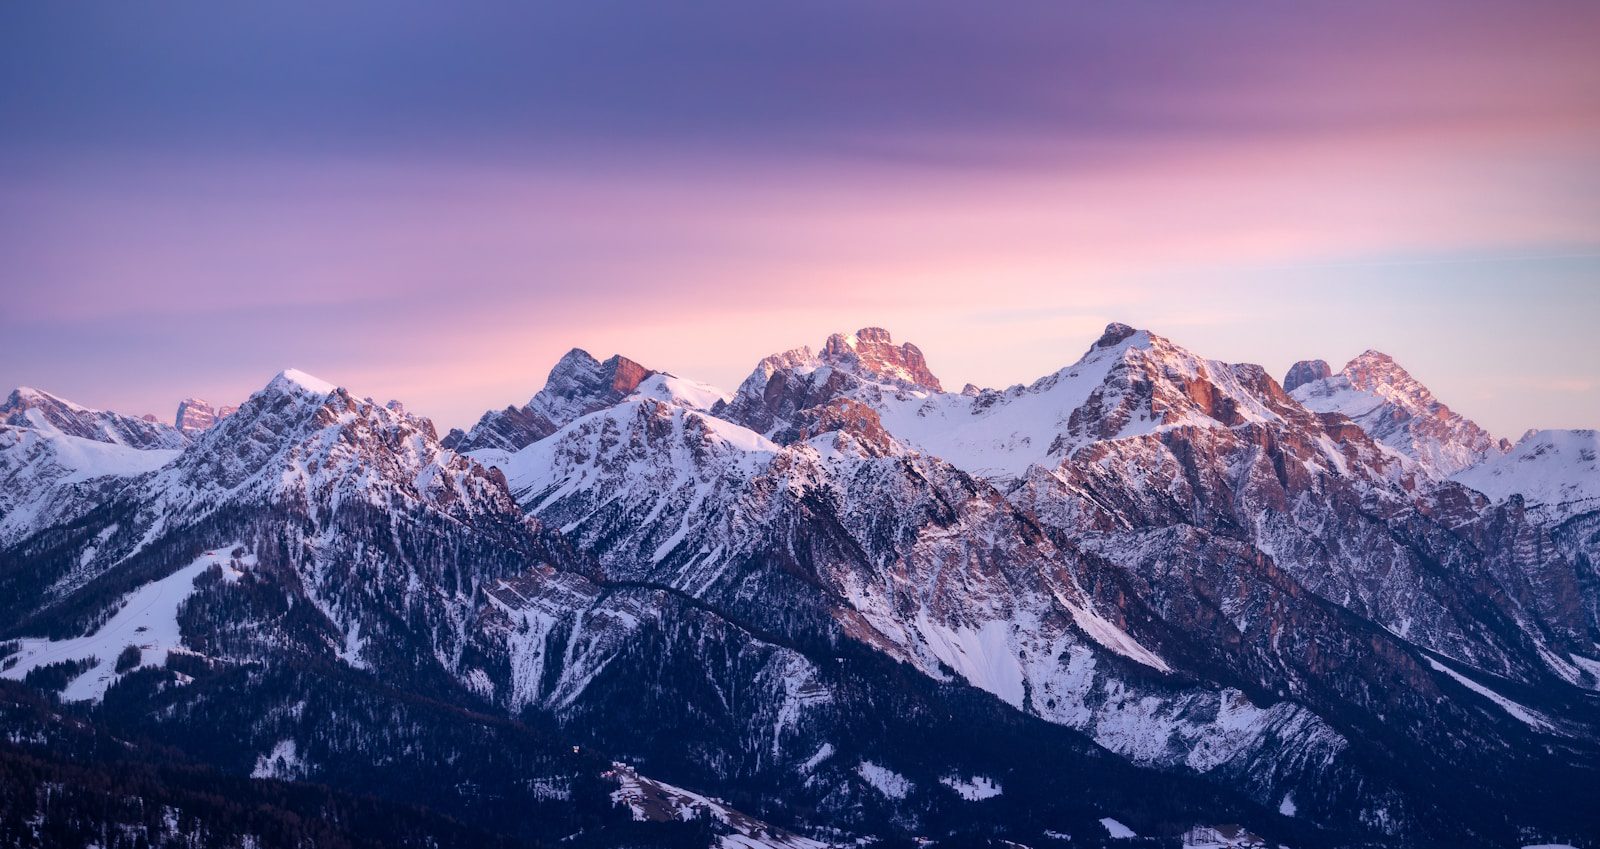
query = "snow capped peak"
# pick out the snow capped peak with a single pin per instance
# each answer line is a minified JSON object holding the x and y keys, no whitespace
{"x":578,"y":374}
{"x":26,"y":396}
{"x":1373,"y":371}
{"x":578,"y":384}
{"x":576,"y":359}
{"x":681,"y":391}
{"x":296,"y":381}
{"x":39,"y":410}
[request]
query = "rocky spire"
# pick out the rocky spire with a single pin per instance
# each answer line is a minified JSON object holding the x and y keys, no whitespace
{"x":198,"y":414}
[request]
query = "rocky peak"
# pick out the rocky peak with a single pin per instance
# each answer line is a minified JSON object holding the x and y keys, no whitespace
{"x":34,"y":408}
{"x":1375,"y":371}
{"x":578,"y":376}
{"x":198,"y":414}
{"x":1114,"y":333}
{"x":1306,"y":371}
{"x":315,"y":443}
{"x":1395,"y":408}
{"x":578,"y":385}
{"x":871,"y":353}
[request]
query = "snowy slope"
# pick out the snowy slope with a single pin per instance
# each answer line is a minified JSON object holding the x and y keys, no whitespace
{"x":47,"y":476}
{"x":1557,"y":472}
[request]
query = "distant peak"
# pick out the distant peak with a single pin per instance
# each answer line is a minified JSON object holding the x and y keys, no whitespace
{"x":577,"y":356}
{"x":579,"y":373}
{"x":1375,"y":371}
{"x":1371,"y":355}
{"x":872,"y":350}
{"x":297,"y":380}
{"x":23,"y":396}
{"x":1306,"y":371}
{"x":198,"y":414}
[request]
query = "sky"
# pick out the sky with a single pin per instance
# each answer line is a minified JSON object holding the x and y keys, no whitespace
{"x":433,"y":202}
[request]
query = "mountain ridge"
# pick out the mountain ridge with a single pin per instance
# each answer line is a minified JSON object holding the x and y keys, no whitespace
{"x":1146,"y":558}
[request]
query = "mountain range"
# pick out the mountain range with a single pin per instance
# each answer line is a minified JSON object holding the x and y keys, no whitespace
{"x":1148,"y":599}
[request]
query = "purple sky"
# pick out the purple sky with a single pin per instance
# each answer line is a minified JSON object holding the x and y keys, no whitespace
{"x":434,"y":201}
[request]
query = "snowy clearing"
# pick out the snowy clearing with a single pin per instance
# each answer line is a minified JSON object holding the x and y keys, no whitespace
{"x":1116,"y":829}
{"x":148,"y":619}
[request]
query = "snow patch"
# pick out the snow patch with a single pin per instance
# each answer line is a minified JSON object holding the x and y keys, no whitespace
{"x":147,"y":618}
{"x":823,"y":753}
{"x":1526,"y":715}
{"x":283,"y":763}
{"x":886,"y":781}
{"x":1117,"y":830}
{"x":656,"y":801}
{"x":974,"y":789}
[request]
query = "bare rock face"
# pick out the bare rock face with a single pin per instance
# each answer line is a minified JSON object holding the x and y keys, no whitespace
{"x":1398,"y":411}
{"x":843,"y":415}
{"x":578,"y":385}
{"x":1306,"y":371}
{"x":197,"y":414}
{"x":871,"y":352}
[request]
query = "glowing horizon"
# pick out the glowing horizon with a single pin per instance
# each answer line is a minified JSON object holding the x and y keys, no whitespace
{"x":433,"y":207}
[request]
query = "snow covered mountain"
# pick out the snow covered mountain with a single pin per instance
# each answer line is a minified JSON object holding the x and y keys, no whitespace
{"x":57,"y":458}
{"x":842,"y":603}
{"x":32,"y":408}
{"x":1388,"y":403}
{"x":1556,"y":472}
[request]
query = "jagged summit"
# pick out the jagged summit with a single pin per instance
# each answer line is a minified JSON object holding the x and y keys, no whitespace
{"x":579,"y":377}
{"x":1144,"y":569}
{"x":34,"y":408}
{"x":577,"y":385}
{"x":871,"y":352}
{"x":783,"y":385}
{"x":1392,"y":406}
